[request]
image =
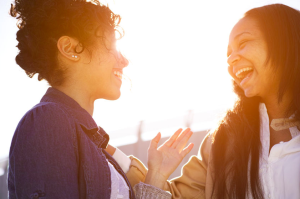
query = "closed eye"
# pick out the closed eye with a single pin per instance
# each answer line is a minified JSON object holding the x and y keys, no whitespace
{"x":242,"y":43}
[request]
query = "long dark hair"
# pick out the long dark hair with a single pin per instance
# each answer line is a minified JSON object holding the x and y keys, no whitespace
{"x":236,"y":141}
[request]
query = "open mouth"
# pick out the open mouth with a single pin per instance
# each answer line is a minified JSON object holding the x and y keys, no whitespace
{"x":243,"y":73}
{"x":118,"y":74}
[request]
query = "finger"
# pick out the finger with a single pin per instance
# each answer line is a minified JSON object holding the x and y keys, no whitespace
{"x":179,"y":138}
{"x":183,"y":141}
{"x":154,"y":141}
{"x":173,"y":138}
{"x":186,"y":150}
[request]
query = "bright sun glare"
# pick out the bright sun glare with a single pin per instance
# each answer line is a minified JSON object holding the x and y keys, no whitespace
{"x":177,"y":55}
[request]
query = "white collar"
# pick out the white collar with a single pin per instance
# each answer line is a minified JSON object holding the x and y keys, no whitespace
{"x":265,"y":133}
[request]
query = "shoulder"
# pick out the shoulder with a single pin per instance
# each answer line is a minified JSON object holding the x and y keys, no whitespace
{"x":46,"y":114}
{"x":44,"y":123}
{"x":205,"y":147}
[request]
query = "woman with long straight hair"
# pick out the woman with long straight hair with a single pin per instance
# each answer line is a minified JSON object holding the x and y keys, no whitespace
{"x":254,"y":152}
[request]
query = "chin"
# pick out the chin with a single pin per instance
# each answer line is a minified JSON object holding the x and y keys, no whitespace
{"x":249,"y":93}
{"x":114,"y":96}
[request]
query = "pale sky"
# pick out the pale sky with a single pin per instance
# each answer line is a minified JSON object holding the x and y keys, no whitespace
{"x":177,"y":52}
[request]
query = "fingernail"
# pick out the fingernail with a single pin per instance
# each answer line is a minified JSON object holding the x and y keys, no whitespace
{"x":157,"y":135}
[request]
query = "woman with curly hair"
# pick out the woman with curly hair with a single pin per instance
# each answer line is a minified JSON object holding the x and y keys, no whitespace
{"x":255,"y":150}
{"x":58,"y":149}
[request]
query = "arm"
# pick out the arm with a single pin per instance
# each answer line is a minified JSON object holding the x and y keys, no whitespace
{"x":43,"y":159}
{"x":191,"y":183}
{"x":142,"y":190}
{"x":135,"y":171}
{"x":162,"y":162}
{"x":193,"y":180}
{"x":110,"y":149}
{"x":146,"y":191}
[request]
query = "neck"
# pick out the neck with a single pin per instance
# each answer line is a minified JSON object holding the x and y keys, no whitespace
{"x":278,"y":110}
{"x":80,"y":95}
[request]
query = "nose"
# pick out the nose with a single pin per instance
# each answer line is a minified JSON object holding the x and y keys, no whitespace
{"x":233,"y":58}
{"x":122,"y":60}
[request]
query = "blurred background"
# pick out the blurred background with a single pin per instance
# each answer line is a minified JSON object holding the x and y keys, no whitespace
{"x":178,"y":73}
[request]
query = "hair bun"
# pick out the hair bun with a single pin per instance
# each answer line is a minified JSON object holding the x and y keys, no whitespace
{"x":42,"y":22}
{"x":34,"y":12}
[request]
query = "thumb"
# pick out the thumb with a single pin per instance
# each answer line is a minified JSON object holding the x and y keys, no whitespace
{"x":154,"y":141}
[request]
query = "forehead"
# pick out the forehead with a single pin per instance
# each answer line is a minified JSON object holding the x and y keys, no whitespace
{"x":245,"y":26}
{"x":105,"y":37}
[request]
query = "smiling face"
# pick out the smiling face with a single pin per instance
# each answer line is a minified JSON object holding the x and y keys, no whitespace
{"x":247,"y":56}
{"x":102,"y":69}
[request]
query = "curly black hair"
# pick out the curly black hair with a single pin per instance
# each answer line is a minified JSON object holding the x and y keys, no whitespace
{"x":42,"y":22}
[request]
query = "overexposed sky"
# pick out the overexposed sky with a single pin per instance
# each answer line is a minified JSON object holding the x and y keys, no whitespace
{"x":177,"y":53}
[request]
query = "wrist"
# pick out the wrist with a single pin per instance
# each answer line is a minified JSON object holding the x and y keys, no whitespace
{"x":155,"y":179}
{"x":110,"y":149}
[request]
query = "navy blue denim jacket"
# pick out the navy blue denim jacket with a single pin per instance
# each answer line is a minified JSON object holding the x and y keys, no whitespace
{"x":57,"y":151}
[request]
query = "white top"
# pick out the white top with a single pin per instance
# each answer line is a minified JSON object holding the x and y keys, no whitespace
{"x":280,"y":170}
{"x":119,"y":187}
{"x":122,"y":160}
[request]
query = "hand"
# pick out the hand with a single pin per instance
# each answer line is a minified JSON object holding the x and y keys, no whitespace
{"x":163,"y":161}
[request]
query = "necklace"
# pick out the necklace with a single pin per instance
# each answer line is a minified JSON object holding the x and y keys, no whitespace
{"x":284,"y":123}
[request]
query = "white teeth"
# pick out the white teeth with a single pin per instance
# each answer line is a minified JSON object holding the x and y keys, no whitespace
{"x":242,"y":70}
{"x":118,"y":74}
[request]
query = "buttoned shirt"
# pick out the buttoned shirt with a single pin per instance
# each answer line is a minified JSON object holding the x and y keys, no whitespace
{"x":279,"y":169}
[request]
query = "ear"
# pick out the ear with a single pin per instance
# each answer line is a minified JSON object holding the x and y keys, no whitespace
{"x":66,"y":46}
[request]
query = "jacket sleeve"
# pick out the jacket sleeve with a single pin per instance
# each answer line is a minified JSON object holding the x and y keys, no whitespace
{"x":146,"y":191}
{"x":191,"y":183}
{"x":43,"y":160}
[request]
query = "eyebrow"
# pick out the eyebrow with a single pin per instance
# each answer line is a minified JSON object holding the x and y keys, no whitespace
{"x":241,"y":34}
{"x":236,"y":38}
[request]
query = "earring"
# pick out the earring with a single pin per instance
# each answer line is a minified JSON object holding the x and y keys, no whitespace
{"x":74,"y":56}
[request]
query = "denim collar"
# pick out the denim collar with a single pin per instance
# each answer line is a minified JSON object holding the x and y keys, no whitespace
{"x":94,"y":132}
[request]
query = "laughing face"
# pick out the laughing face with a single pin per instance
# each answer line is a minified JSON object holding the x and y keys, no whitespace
{"x":247,"y":55}
{"x":104,"y":69}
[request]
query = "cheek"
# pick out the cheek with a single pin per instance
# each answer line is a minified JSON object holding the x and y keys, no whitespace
{"x":250,"y":53}
{"x":272,"y":77}
{"x":230,"y":71}
{"x":259,"y":55}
